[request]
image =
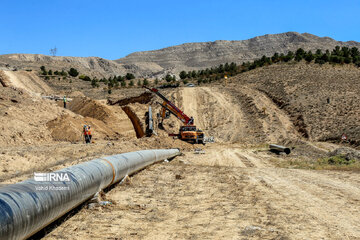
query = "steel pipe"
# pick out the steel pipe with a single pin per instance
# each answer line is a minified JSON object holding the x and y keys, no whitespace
{"x":29,"y":206}
{"x":278,"y":148}
{"x":150,"y":123}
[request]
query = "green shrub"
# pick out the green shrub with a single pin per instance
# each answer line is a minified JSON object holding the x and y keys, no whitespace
{"x":73,"y":72}
{"x":336,"y":160}
{"x":182,"y":75}
{"x":129,"y":76}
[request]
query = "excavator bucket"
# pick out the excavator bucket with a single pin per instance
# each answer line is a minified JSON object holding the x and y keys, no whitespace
{"x":161,"y":126}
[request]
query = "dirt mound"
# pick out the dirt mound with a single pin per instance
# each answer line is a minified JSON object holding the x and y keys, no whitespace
{"x":69,"y":128}
{"x":113,"y":116}
{"x":23,"y":117}
{"x":27,"y":81}
{"x":4,"y":80}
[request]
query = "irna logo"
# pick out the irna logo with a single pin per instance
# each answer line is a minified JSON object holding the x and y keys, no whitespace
{"x":52,"y":177}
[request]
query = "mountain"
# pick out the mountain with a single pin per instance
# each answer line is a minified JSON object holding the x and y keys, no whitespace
{"x":201,"y":55}
{"x":188,"y":56}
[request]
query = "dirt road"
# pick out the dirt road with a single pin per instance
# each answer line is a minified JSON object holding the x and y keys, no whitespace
{"x":233,"y":191}
{"x":228,"y":192}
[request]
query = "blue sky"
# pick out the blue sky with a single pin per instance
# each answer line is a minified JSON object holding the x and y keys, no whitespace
{"x":112,"y":29}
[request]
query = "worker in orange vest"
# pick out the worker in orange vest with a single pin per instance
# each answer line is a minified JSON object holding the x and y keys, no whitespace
{"x":89,"y":133}
{"x":86,"y":135}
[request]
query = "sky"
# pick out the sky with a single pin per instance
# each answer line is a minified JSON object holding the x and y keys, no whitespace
{"x":113,"y":29}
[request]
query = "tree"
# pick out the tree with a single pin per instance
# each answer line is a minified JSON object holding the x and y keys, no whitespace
{"x":131,"y":83}
{"x":94,"y":83}
{"x":73,"y":72}
{"x":50,"y":72}
{"x":193,"y":74}
{"x":53,"y":51}
{"x":325,"y":57}
{"x":232,"y":67}
{"x":156,"y":81}
{"x":289,"y":56}
{"x":182,"y":75}
{"x":168,"y":78}
{"x":354,"y":52}
{"x":348,"y":60}
{"x":145,"y":82}
{"x":275,"y":58}
{"x":63,"y":73}
{"x":129,"y":76}
{"x":43,"y":70}
{"x":299,"y":54}
{"x":220,"y":68}
{"x":123,"y":84}
{"x":336,"y":51}
{"x":309,"y":56}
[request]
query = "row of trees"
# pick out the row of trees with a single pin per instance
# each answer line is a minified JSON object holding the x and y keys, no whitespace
{"x":221,"y":70}
{"x":339,"y":55}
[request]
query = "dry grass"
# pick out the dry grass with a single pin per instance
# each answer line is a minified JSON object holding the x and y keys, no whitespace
{"x":329,"y":163}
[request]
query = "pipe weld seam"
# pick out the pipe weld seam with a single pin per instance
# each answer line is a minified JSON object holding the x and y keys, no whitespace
{"x":113,"y":170}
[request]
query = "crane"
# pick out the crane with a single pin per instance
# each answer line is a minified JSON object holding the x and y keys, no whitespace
{"x":188,"y":132}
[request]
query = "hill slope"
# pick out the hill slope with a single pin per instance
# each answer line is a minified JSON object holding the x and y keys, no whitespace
{"x":201,"y":55}
{"x":321,"y":101}
{"x":173,"y":59}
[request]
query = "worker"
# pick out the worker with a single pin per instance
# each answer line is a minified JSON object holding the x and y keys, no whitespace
{"x":86,"y":135}
{"x":64,"y":99}
{"x":89,"y":133}
{"x":191,"y":121}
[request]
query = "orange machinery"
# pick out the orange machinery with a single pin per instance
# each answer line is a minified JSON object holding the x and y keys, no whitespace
{"x":188,"y":132}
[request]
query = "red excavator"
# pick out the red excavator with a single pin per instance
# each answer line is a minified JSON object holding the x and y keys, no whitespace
{"x":188,"y":132}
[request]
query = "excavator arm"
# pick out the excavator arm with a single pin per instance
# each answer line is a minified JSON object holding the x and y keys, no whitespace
{"x":169,"y":106}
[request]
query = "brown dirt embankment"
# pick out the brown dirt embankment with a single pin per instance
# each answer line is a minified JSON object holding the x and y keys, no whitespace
{"x":321,"y":101}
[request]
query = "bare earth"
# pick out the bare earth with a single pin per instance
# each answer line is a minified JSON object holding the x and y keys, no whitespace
{"x":227,"y":193}
{"x":232,"y":191}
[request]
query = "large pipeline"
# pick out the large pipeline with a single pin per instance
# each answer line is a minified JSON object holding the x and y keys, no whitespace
{"x":29,"y":206}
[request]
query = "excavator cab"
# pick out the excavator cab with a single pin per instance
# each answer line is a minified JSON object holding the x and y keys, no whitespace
{"x":191,"y":134}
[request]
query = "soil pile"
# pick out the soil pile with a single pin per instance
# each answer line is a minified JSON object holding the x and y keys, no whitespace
{"x":113,"y":116}
{"x":28,"y":81}
{"x":23,"y":117}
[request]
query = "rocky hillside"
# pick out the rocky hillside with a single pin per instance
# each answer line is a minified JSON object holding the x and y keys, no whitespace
{"x":93,"y":66}
{"x":190,"y":56}
{"x":173,"y":59}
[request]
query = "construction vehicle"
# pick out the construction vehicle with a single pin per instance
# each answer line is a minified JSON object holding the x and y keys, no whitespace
{"x":188,"y":132}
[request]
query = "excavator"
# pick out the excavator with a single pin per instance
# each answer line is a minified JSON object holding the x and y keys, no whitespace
{"x":188,"y":132}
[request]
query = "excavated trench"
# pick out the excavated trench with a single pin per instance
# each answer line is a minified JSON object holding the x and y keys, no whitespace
{"x":138,"y":126}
